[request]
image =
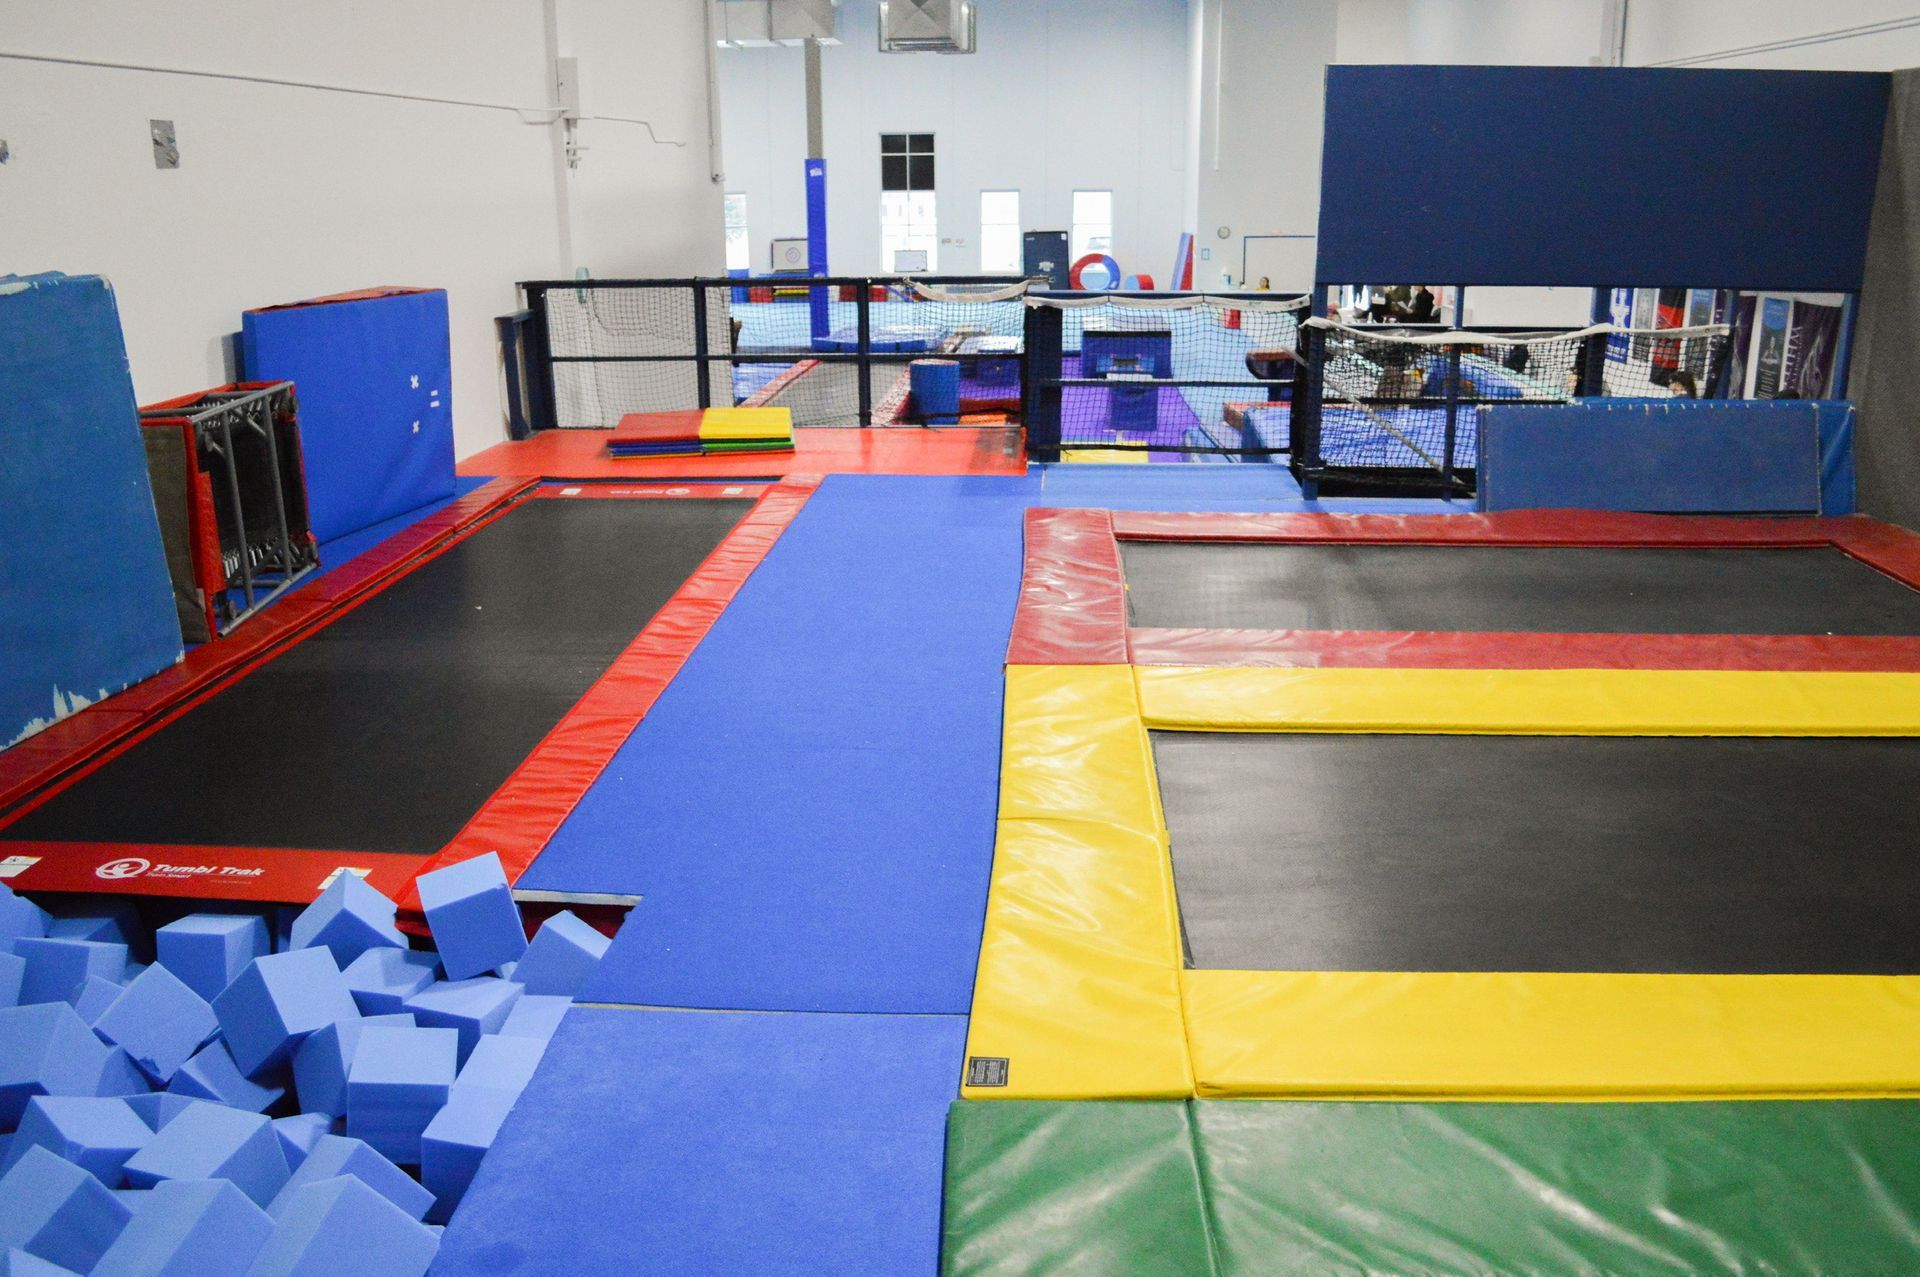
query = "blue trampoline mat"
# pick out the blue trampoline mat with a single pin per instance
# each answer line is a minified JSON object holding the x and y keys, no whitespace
{"x":808,"y":811}
{"x":700,"y":1143}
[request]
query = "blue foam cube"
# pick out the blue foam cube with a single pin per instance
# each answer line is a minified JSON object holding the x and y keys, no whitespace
{"x":159,"y":1021}
{"x":399,"y":1080}
{"x":321,"y":1063}
{"x":283,"y":917}
{"x":500,"y":1063}
{"x":535,"y":1015}
{"x":97,"y":1135}
{"x":382,"y":979}
{"x":212,"y":1075}
{"x":15,"y":1262}
{"x":299,"y":1133}
{"x":470,"y":910}
{"x":189,"y":1228}
{"x":277,"y":1001}
{"x":455,"y":1141}
{"x":207,"y":950}
{"x":473,"y":1007}
{"x":209,"y":1141}
{"x":107,"y":921}
{"x":347,"y":919}
{"x":339,"y":1155}
{"x":340,"y":1225}
{"x":55,"y":968}
{"x":13,"y":972}
{"x":45,"y":1049}
{"x":57,"y":1212}
{"x":20,"y":919}
{"x":92,"y":997}
{"x":120,"y":1076}
{"x":563,"y":954}
{"x":157,"y":1108}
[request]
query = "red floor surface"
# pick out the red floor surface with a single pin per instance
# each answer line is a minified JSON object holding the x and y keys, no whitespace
{"x":582,"y":454}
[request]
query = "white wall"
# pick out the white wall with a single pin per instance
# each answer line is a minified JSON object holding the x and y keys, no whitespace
{"x":1062,"y":95}
{"x":288,"y":192}
{"x":1263,"y":69}
{"x":1812,"y":37}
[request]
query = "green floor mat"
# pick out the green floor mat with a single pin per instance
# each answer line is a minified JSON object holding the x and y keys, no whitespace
{"x":1239,"y":1187}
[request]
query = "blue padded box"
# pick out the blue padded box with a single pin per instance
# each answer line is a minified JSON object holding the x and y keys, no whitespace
{"x":276,"y":1001}
{"x":158,"y":1108}
{"x":340,"y":1225}
{"x":210,"y":1141}
{"x":348,"y":919}
{"x":13,"y":972}
{"x":97,"y":1135}
{"x":382,"y":979}
{"x":339,"y":1155}
{"x":86,"y":604}
{"x":208,"y":950}
{"x":120,"y":1076}
{"x":91,"y":1000}
{"x":373,"y":375}
{"x":400,"y":1078}
{"x":189,"y":1228}
{"x":299,"y":1133}
{"x":535,"y":1016}
{"x":107,"y":921}
{"x":456,"y":1140}
{"x":321,"y":1062}
{"x":57,"y":968}
{"x":158,"y":1021}
{"x":45,"y":1049}
{"x":562,"y":956}
{"x":56,"y":1211}
{"x":20,"y":918}
{"x":470,"y":910}
{"x":213,"y":1076}
{"x":473,"y":1007}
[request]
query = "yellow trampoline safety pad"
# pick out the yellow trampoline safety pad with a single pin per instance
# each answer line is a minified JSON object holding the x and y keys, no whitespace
{"x":1082,"y":991}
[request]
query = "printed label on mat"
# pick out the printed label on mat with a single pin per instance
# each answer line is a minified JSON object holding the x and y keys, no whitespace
{"x":12,"y":865}
{"x":986,"y":1070}
{"x":362,"y":874}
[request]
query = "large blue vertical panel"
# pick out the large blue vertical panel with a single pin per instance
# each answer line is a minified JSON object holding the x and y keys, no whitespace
{"x":373,"y":375}
{"x":818,"y":313}
{"x":86,"y":606}
{"x":1599,"y":176}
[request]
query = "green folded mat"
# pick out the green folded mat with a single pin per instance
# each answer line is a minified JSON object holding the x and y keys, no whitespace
{"x":1237,"y":1187}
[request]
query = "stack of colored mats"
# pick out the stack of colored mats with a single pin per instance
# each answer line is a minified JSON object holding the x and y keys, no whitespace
{"x":711,"y":431}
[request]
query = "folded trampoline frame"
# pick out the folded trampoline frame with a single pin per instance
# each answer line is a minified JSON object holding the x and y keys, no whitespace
{"x":1082,"y":989}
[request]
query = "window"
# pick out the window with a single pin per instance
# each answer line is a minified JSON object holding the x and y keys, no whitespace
{"x":906,"y":161}
{"x":1000,"y":231}
{"x":907,"y":224}
{"x":907,"y":221}
{"x":738,"y":257}
{"x":1092,"y":223}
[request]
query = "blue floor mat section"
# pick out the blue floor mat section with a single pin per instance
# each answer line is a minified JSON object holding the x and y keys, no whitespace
{"x":808,"y":812}
{"x":690,"y":1144}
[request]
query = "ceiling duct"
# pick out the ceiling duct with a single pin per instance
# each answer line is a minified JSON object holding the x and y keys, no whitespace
{"x":926,"y":26}
{"x":760,"y":24}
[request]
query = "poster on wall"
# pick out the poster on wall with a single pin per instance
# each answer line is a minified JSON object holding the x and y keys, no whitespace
{"x":1620,"y":315}
{"x":1813,"y":338}
{"x":1775,"y":316}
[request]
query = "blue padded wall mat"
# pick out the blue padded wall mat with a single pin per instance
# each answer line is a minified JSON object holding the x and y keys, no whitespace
{"x":373,"y":375}
{"x":808,"y":811}
{"x":690,"y":1144}
{"x":345,"y":549}
{"x":86,"y":606}
{"x":1660,"y":456}
{"x":1566,"y":175}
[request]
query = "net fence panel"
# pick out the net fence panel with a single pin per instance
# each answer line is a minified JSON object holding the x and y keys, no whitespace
{"x":1397,"y":406}
{"x":624,"y":349}
{"x":1189,"y":376}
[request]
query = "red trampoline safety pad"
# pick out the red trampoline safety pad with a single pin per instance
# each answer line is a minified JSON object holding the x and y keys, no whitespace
{"x":515,"y":821}
{"x":1073,"y":594}
{"x":952,"y":450}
